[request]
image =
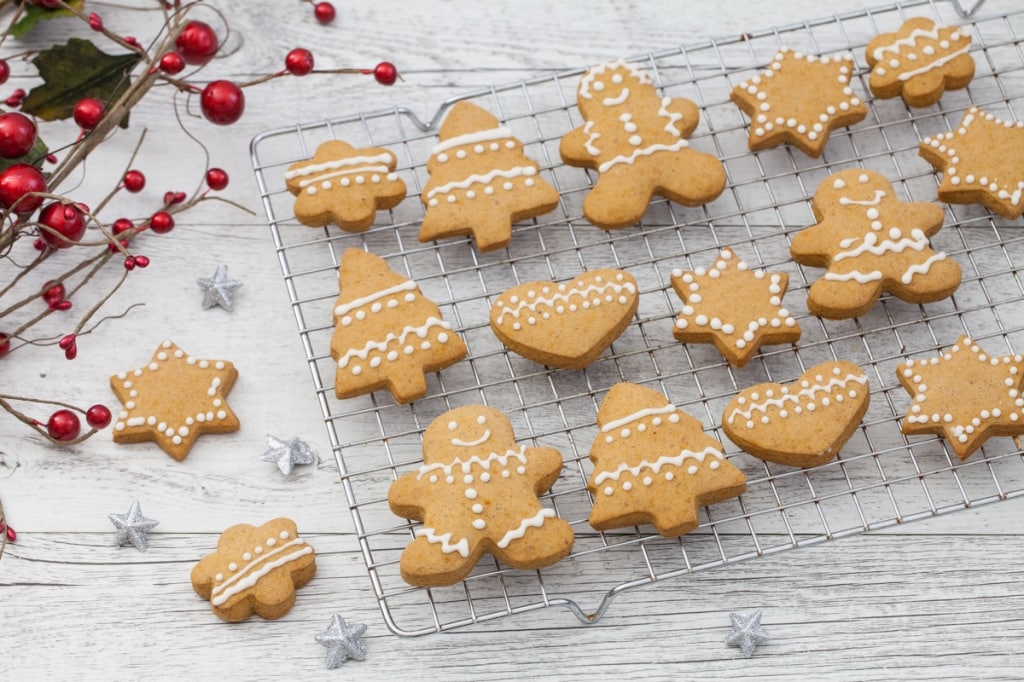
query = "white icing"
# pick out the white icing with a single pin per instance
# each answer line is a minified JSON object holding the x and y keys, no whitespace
{"x":349,"y":306}
{"x":316,"y":168}
{"x":638,"y":415}
{"x":472,"y":443}
{"x":615,"y":101}
{"x":447,"y":546}
{"x":907,"y":75}
{"x":592,"y":137}
{"x":797,"y":398}
{"x":918,"y":241}
{"x":560,"y":296}
{"x":465,"y":465}
{"x":324,"y":177}
{"x":861,"y":277}
{"x":591,"y":77}
{"x":247,"y":576}
{"x":847,"y":201}
{"x":471,"y":138}
{"x":921,"y":268}
{"x":643,"y":151}
{"x":672,"y":117}
{"x":483,"y":179}
{"x":535,"y":521}
{"x":656,"y":466}
{"x":420,"y":331}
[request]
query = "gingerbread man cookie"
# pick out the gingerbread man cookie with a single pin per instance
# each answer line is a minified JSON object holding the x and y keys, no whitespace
{"x":871,"y":242}
{"x":477,"y":493}
{"x":481,"y":181}
{"x":344,"y":185}
{"x":636,"y":141}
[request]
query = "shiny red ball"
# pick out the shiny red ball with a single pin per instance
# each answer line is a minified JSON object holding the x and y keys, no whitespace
{"x":5,"y":71}
{"x":299,"y":62}
{"x":5,"y":344}
{"x":385,"y":73}
{"x":121,"y":225}
{"x":16,"y":182}
{"x":88,"y":112}
{"x":172,"y":63}
{"x":64,"y":425}
{"x":134,"y":181}
{"x":17,"y":135}
{"x":98,"y":416}
{"x":222,"y":102}
{"x":95,"y":22}
{"x":66,"y":220}
{"x":324,"y":12}
{"x":216,"y":179}
{"x":161,"y":222}
{"x":197,"y":42}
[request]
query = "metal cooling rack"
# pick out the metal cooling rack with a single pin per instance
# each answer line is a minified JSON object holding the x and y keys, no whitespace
{"x":880,"y":479}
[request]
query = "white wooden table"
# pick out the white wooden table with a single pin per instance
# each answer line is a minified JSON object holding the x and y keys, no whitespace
{"x":938,"y":599}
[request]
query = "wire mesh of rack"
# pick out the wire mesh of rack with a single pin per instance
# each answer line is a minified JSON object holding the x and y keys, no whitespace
{"x":880,"y":478}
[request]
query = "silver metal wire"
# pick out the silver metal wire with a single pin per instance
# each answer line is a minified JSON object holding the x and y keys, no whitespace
{"x":880,"y":479}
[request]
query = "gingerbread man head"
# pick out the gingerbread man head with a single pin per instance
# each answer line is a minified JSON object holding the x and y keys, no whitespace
{"x":466,"y":432}
{"x":610,"y":88}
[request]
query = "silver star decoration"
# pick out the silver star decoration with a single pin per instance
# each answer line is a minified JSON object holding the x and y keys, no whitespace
{"x":747,"y":633}
{"x":287,"y":453}
{"x":343,"y":641}
{"x":219,"y":290}
{"x":132,"y":527}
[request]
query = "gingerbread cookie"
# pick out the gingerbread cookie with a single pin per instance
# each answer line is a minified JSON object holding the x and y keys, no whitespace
{"x":654,"y":464}
{"x":636,"y":141}
{"x":920,"y":61}
{"x":982,"y":161}
{"x":344,"y":185}
{"x":566,"y":325}
{"x":387,"y":334}
{"x":802,"y":424}
{"x":173,"y":400}
{"x":871,"y":242}
{"x":799,"y":99}
{"x":965,"y":395}
{"x":255,"y":570}
{"x":481,"y":181}
{"x":477,"y":493}
{"x":733,"y":307}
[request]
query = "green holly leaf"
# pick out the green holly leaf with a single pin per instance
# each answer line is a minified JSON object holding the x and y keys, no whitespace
{"x":34,"y":13}
{"x":73,"y":71}
{"x":35,"y":156}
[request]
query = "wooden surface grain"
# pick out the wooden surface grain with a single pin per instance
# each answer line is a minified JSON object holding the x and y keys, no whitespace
{"x":937,"y":599}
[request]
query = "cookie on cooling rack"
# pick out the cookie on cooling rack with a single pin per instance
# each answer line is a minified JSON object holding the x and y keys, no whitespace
{"x":477,"y":493}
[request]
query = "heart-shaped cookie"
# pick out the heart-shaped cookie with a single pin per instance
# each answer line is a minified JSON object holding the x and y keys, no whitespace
{"x":804,"y":423}
{"x":566,"y":324}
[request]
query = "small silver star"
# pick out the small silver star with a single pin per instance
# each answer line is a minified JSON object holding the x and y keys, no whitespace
{"x":288,"y":453}
{"x":219,"y":290}
{"x":747,"y":632}
{"x":132,"y":527}
{"x":343,"y":641}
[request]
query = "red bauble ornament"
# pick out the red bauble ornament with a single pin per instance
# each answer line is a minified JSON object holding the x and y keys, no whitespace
{"x":88,"y":113}
{"x":16,"y":182}
{"x":385,"y":73}
{"x":161,"y":222}
{"x":64,"y":219}
{"x":216,"y":179}
{"x":134,"y":181}
{"x":95,"y":22}
{"x":222,"y":102}
{"x":299,"y":62}
{"x":5,"y":71}
{"x":17,"y":135}
{"x":197,"y":43}
{"x":324,"y":12}
{"x":98,"y":416}
{"x":64,"y":425}
{"x":172,"y":63}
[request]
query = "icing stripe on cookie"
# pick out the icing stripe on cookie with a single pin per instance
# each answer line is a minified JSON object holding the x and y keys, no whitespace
{"x":355,"y":303}
{"x":420,"y":331}
{"x":639,"y":414}
{"x":563,"y":295}
{"x":312,"y":168}
{"x":467,"y":464}
{"x":237,"y":583}
{"x":471,"y":138}
{"x":645,"y":151}
{"x":379,"y":168}
{"x":535,"y":521}
{"x":462,"y":546}
{"x":808,"y":392}
{"x":656,"y":465}
{"x":483,"y":179}
{"x":921,"y":268}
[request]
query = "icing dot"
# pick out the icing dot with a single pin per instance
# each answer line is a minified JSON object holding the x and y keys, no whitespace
{"x":270,"y":542}
{"x":470,"y":493}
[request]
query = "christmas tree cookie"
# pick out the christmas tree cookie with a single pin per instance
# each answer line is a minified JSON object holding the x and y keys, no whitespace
{"x":654,"y":464}
{"x":344,"y":185}
{"x":387,"y":334}
{"x":477,"y":493}
{"x":481,"y":181}
{"x":636,"y":141}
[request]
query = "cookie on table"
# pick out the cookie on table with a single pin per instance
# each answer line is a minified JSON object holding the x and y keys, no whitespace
{"x":804,"y":423}
{"x":654,"y":464}
{"x":733,"y":307}
{"x":173,"y":400}
{"x":344,"y":185}
{"x":919,"y":62}
{"x":964,"y":395}
{"x":567,"y":324}
{"x":387,"y":334}
{"x":871,"y":242}
{"x":477,"y":493}
{"x":481,"y":181}
{"x":799,"y":99}
{"x":255,"y":570}
{"x":982,"y":161}
{"x":636,"y":141}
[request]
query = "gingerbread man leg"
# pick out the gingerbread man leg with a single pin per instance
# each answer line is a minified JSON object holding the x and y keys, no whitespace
{"x":424,"y":562}
{"x":690,"y":177}
{"x":842,"y":299}
{"x":619,"y":199}
{"x":555,"y":534}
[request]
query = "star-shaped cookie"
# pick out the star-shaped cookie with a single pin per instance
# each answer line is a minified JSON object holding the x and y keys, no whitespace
{"x":982,"y":161}
{"x":733,"y":307}
{"x":173,"y":400}
{"x":799,"y":99}
{"x":964,"y":395}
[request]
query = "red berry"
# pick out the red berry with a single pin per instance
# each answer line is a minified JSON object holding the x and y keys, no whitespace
{"x":48,"y":4}
{"x":15,"y":99}
{"x":299,"y":62}
{"x":222,"y":102}
{"x":11,"y":535}
{"x":5,"y":344}
{"x":121,"y":225}
{"x":385,"y":73}
{"x":131,"y":40}
{"x":142,"y":261}
{"x":197,"y":42}
{"x":134,"y":181}
{"x":161,"y":222}
{"x":67,"y":223}
{"x":63,"y":425}
{"x":17,"y":135}
{"x":129,"y":263}
{"x":324,"y":12}
{"x":95,"y":22}
{"x":53,"y":294}
{"x":5,"y":71}
{"x":16,"y":182}
{"x":88,"y":113}
{"x":98,"y":416}
{"x":172,"y":198}
{"x":172,"y":63}
{"x":216,"y":179}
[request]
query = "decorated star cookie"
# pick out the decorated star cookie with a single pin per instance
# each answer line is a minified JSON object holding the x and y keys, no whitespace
{"x":871,"y":242}
{"x":733,"y":307}
{"x":802,"y":424}
{"x":982,"y":161}
{"x":636,"y":141}
{"x":964,"y":395}
{"x":799,"y":99}
{"x":477,"y":493}
{"x":387,"y":334}
{"x":566,"y":324}
{"x":481,"y":181}
{"x":173,"y":400}
{"x":654,"y":464}
{"x":344,"y":185}
{"x":920,"y":61}
{"x":255,"y":570}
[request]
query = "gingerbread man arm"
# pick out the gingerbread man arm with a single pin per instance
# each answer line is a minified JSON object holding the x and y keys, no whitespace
{"x":812,"y":245}
{"x":405,"y":495}
{"x":573,"y":148}
{"x":689,"y":111}
{"x":543,"y":467}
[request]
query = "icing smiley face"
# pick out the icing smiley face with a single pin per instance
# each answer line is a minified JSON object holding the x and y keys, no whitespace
{"x":469,"y":431}
{"x":481,"y":421}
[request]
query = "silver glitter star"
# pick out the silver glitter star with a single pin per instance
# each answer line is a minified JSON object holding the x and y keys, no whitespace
{"x":288,"y":453}
{"x":747,"y":632}
{"x":343,"y":641}
{"x":132,"y":527}
{"x":219,"y":290}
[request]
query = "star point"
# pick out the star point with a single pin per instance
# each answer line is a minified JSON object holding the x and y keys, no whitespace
{"x":343,"y":641}
{"x":288,"y":453}
{"x":132,"y":527}
{"x":219,"y":290}
{"x":747,"y":633}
